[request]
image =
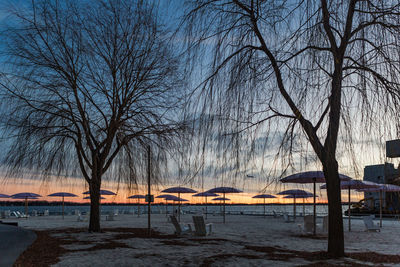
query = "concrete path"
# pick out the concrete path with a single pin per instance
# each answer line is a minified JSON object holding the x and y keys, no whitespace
{"x":13,"y":241}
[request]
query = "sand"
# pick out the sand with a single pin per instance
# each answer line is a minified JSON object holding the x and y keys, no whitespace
{"x":241,"y":241}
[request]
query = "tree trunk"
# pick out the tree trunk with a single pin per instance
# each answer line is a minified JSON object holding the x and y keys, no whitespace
{"x":94,"y":223}
{"x":335,"y":235}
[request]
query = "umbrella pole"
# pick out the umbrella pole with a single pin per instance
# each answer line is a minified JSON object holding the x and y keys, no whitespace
{"x":179,"y":207}
{"x":63,"y":208}
{"x":380,"y":208}
{"x":315,"y":209}
{"x":166,"y":208}
{"x":294,"y":207}
{"x":224,"y":208}
{"x":264,"y":207}
{"x":304,"y":208}
{"x":26,"y":208}
{"x":206,"y":207}
{"x":349,"y":212}
{"x":138,"y":208}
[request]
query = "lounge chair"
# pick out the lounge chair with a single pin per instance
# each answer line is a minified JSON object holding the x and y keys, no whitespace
{"x":180,"y":229}
{"x":201,"y":228}
{"x":21,"y":215}
{"x":308,"y":226}
{"x":110,"y":216}
{"x":287,"y":218}
{"x":325,"y":224}
{"x":369,"y":224}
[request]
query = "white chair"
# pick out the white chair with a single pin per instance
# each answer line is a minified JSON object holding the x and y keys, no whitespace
{"x":369,"y":224}
{"x":325,"y":224}
{"x":46,"y":213}
{"x":180,"y":229}
{"x":201,"y":228}
{"x":286,"y":217}
{"x":110,"y":217}
{"x":22,"y":215}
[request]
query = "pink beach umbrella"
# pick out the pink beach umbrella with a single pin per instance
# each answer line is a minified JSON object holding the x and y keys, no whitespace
{"x":264,"y":196}
{"x":308,"y":178}
{"x":224,"y":190}
{"x":354,"y":184}
{"x":62,"y":194}
{"x":138,"y":198}
{"x":179,"y":190}
{"x":382,"y":188}
{"x":88,"y":197}
{"x":301,"y":196}
{"x":205,"y":194}
{"x":102,"y":192}
{"x":26,"y":196}
{"x":296,"y":193}
{"x":166,"y":197}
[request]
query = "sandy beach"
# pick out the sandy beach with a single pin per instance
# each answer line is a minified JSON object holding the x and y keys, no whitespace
{"x":241,"y":241}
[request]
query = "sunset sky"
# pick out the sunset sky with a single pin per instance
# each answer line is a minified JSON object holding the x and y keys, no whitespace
{"x":368,"y":152}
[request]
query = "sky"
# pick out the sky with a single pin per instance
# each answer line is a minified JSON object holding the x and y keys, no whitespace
{"x":368,"y":152}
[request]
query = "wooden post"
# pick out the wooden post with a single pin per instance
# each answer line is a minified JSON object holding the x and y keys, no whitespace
{"x":148,"y":193}
{"x":349,"y":212}
{"x":314,"y":209}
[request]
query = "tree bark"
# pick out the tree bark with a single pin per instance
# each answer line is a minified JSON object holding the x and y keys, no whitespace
{"x":335,"y":234}
{"x":94,"y":185}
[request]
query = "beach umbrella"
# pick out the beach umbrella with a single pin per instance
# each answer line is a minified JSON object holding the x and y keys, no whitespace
{"x":179,"y":190}
{"x":382,"y":188}
{"x":165,"y":196}
{"x":205,"y":194}
{"x":102,"y":192}
{"x":26,"y":196}
{"x":138,"y":198}
{"x":62,"y":194}
{"x":264,"y":196}
{"x":224,"y":190}
{"x":221,"y":199}
{"x":4,"y":196}
{"x":295,"y":193}
{"x":311,"y":177}
{"x":354,"y":184}
{"x":88,"y":197}
{"x":303,"y":197}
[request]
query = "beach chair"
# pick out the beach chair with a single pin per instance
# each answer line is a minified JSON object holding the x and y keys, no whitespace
{"x":201,"y":228}
{"x":180,"y":229}
{"x":46,"y":213}
{"x":7,"y":213}
{"x":325,"y":224}
{"x":110,"y":217}
{"x":116,"y":212}
{"x":369,"y":224}
{"x":308,"y":226}
{"x":22,"y":215}
{"x":286,"y":217}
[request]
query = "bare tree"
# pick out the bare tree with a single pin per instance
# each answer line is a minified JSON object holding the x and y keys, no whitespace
{"x":304,"y":68}
{"x":90,"y":85}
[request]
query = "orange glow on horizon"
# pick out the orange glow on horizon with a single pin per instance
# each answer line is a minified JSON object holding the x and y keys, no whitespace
{"x":79,"y":186}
